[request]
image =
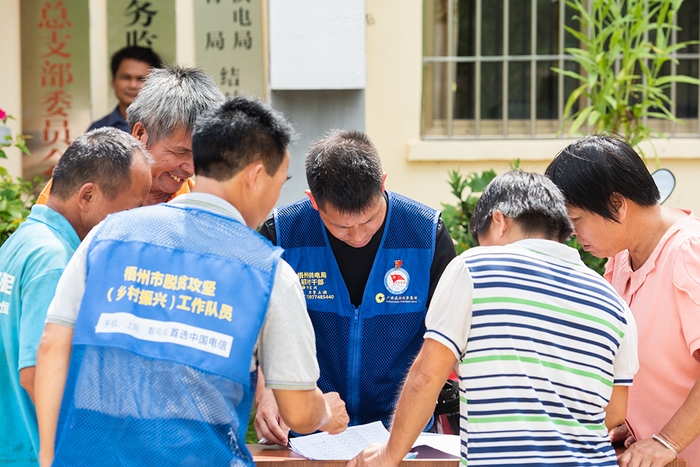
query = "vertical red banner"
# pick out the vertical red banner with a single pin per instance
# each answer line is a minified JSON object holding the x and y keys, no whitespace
{"x":55,"y":79}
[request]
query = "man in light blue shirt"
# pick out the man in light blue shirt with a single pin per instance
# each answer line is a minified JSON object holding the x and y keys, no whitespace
{"x":89,"y":183}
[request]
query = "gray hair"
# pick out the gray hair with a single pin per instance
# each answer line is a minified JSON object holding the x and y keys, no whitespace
{"x":172,"y":98}
{"x":103,"y":156}
{"x":530,"y":199}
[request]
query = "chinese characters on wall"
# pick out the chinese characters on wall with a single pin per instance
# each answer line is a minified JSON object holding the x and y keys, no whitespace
{"x":56,"y":87}
{"x":145,"y":23}
{"x":140,"y":17}
{"x":228,"y":44}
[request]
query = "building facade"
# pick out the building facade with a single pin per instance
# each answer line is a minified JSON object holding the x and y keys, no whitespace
{"x":404,"y":71}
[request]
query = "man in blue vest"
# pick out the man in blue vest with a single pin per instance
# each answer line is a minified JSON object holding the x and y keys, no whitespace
{"x":162,"y":315}
{"x":368,"y":261}
{"x":101,"y":172}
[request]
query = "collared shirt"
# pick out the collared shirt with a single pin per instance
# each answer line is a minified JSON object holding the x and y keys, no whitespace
{"x":541,"y":340}
{"x":31,"y":263}
{"x":114,"y":119}
{"x":210,"y":203}
{"x":46,"y":192}
{"x":664,"y":295}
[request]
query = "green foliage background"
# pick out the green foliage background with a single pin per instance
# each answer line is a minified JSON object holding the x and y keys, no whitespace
{"x":625,"y":47}
{"x":16,"y":200}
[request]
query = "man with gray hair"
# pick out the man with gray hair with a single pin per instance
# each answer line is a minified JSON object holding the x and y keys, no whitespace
{"x":161,"y":118}
{"x":101,"y":172}
{"x":546,"y":348}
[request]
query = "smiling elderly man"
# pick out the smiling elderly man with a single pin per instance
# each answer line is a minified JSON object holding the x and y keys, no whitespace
{"x":162,"y":117}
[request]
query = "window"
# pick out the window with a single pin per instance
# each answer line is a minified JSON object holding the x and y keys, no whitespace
{"x":487,"y":69}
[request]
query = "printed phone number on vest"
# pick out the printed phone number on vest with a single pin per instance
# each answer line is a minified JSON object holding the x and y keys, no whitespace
{"x":310,"y":281}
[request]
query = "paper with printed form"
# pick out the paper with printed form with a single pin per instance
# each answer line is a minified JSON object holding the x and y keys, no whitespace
{"x":343,"y":446}
{"x":348,"y":444}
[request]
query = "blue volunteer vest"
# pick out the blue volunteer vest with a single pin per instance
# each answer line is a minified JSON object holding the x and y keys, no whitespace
{"x":160,"y":367}
{"x":364,"y":353}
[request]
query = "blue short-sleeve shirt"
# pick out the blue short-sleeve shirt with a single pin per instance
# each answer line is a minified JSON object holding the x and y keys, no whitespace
{"x":31,"y":262}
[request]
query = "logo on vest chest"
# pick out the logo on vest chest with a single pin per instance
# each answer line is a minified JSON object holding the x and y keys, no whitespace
{"x":396,"y":280}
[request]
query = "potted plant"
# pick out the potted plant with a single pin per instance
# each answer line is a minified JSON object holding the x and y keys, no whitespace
{"x":6,"y":139}
{"x":16,"y":196}
{"x":624,"y":45}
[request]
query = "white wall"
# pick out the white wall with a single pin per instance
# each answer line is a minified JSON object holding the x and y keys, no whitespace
{"x":317,"y":44}
{"x":10,"y":78}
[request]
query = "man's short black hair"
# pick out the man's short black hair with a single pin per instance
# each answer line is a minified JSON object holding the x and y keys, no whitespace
{"x":103,"y":156}
{"x":530,"y":199}
{"x":236,"y":133}
{"x":344,"y":169}
{"x":134,"y":52}
{"x":591,"y":171}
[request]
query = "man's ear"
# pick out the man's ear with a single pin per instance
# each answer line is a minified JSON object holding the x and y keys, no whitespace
{"x":86,"y":196}
{"x":501,"y":223}
{"x":253,"y":173}
{"x":139,"y":132}
{"x":384,"y":182}
{"x":313,"y":200}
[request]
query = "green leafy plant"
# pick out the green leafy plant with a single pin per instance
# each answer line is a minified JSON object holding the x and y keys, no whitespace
{"x":16,"y":199}
{"x":624,"y":45}
{"x":597,"y":264}
{"x":6,"y":139}
{"x":457,"y":217}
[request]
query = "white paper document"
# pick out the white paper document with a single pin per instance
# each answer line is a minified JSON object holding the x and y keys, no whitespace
{"x":348,"y":444}
{"x":343,"y":446}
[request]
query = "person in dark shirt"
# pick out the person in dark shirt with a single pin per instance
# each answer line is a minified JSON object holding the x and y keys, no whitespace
{"x":369,"y":261}
{"x":162,"y":118}
{"x":130,"y":66}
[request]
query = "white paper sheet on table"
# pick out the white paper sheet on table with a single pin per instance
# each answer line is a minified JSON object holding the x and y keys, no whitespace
{"x":343,"y":446}
{"x":348,"y":444}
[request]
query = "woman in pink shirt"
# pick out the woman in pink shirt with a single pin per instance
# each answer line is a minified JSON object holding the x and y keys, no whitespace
{"x":654,"y":265}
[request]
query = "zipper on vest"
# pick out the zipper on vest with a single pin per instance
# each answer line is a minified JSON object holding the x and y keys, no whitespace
{"x":354,"y":368}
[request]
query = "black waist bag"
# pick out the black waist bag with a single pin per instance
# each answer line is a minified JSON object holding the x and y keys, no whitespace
{"x":447,"y":409}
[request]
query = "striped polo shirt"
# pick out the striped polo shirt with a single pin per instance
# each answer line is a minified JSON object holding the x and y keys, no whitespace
{"x":538,"y":365}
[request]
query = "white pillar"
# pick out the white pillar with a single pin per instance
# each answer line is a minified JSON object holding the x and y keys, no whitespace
{"x":10,"y":78}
